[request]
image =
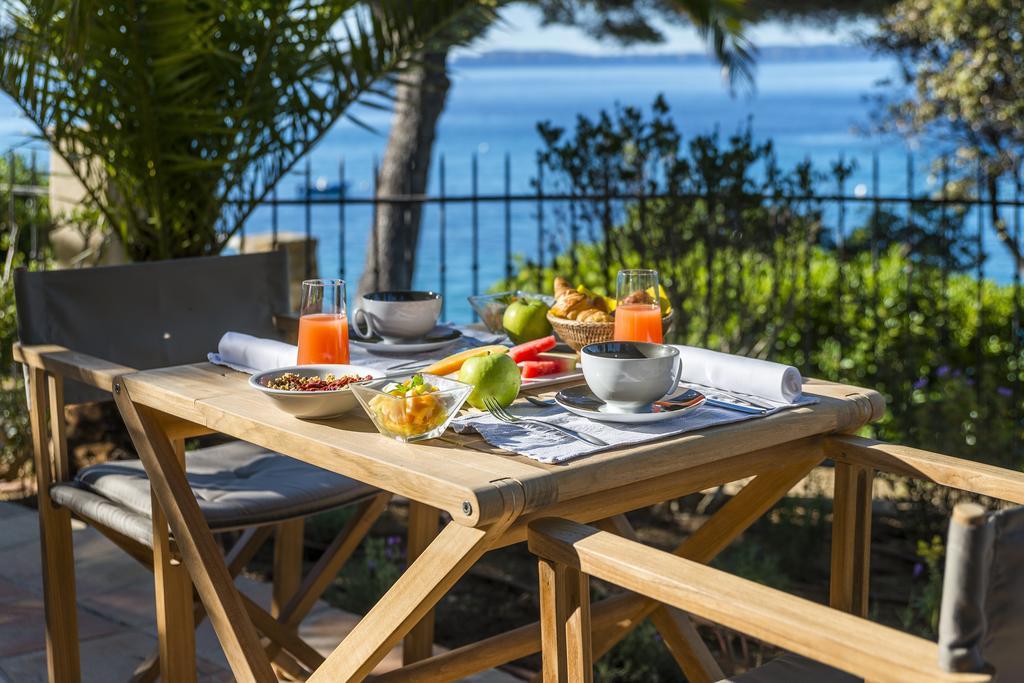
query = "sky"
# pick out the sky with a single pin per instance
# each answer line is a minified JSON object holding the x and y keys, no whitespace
{"x":521,"y":30}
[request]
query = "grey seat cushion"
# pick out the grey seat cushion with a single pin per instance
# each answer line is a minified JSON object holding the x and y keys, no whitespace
{"x":87,"y":504}
{"x":236,"y":485}
{"x":790,"y":668}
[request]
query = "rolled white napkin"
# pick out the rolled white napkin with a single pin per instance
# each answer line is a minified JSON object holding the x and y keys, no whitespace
{"x":742,"y":375}
{"x":247,"y":353}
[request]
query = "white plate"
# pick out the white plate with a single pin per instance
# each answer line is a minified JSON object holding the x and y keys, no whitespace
{"x":438,"y":339}
{"x":312,"y":405}
{"x":581,"y":401}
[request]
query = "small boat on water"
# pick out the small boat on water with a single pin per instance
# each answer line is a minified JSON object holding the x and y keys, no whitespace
{"x":321,"y":188}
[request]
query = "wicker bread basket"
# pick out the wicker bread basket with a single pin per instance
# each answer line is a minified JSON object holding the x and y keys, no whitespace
{"x":578,"y":334}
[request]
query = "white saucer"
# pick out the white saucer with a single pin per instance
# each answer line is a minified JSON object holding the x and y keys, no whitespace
{"x":439,"y":338}
{"x":580,"y":400}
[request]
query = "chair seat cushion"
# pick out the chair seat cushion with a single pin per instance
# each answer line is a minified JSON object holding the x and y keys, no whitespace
{"x":236,"y":485}
{"x":790,"y":668}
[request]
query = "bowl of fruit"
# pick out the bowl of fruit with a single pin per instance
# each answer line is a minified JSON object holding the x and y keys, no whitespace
{"x":313,"y":391}
{"x":413,"y":408}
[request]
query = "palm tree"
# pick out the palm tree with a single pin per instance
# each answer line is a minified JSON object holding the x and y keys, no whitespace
{"x":420,"y":100}
{"x":179,"y":116}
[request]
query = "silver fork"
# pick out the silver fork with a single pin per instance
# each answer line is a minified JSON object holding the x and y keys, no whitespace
{"x":495,"y":409}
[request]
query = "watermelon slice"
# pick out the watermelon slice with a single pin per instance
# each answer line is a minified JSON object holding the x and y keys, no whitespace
{"x":539,"y":368}
{"x":531,"y":349}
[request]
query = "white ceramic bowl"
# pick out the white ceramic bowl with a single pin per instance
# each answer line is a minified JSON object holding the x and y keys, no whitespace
{"x":628,"y":376}
{"x":311,"y":405}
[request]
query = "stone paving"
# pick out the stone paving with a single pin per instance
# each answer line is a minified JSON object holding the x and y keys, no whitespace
{"x":115,"y":611}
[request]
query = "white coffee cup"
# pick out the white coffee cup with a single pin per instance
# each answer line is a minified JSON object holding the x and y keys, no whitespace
{"x":628,"y":376}
{"x":396,"y":316}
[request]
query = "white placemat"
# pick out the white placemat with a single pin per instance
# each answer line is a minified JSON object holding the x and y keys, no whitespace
{"x":549,"y":446}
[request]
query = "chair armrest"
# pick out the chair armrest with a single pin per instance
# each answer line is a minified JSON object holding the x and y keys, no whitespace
{"x":838,"y":639}
{"x":965,"y":475}
{"x":68,"y":364}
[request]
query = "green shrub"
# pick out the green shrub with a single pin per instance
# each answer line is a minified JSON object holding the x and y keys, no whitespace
{"x":922,"y":613}
{"x":15,"y":434}
{"x":366,"y":578}
{"x":29,"y":213}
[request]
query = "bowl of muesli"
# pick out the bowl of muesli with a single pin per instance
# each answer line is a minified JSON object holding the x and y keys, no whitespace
{"x":313,"y":391}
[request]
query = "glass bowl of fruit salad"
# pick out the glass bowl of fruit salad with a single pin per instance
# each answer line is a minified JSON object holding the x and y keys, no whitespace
{"x":412,"y":408}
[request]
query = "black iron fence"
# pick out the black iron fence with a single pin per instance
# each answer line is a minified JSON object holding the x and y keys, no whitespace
{"x":552,"y":215}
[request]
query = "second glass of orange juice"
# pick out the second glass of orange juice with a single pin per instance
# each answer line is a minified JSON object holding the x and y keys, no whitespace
{"x":323,"y":323}
{"x":637,"y":311}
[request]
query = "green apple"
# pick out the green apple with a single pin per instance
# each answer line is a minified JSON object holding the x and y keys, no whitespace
{"x":494,"y":375}
{"x":526,"y":320}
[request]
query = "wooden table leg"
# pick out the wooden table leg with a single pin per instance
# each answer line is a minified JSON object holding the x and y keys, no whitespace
{"x":175,"y":617}
{"x":199,"y":550}
{"x":423,"y":527}
{"x":288,"y":550}
{"x":851,"y":538}
{"x":440,"y":565}
{"x":288,"y":547}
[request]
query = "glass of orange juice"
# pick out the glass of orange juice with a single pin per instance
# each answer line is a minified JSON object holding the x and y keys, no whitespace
{"x":323,"y":323}
{"x":637,"y":312}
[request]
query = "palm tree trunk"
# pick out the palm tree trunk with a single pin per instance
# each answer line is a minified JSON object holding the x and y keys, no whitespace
{"x":419,"y":102}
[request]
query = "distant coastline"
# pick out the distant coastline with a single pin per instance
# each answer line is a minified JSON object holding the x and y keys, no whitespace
{"x":769,"y":53}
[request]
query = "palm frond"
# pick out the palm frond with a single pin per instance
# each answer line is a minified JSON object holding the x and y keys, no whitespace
{"x":720,"y":24}
{"x":179,"y":117}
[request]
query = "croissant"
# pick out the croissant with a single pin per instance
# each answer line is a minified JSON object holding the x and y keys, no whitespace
{"x":562,"y":286}
{"x":569,"y":304}
{"x":593,"y":315}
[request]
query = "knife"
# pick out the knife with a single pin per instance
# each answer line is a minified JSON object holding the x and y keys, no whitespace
{"x":736,"y":406}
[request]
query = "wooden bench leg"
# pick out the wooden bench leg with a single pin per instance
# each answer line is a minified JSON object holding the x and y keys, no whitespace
{"x":423,"y":526}
{"x":56,"y":544}
{"x":851,"y":538}
{"x":565,"y":624}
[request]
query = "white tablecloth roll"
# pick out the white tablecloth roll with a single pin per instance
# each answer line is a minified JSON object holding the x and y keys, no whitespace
{"x":742,"y":375}
{"x":247,"y":353}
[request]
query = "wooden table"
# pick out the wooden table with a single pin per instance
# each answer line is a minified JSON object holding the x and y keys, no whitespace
{"x":490,"y":496}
